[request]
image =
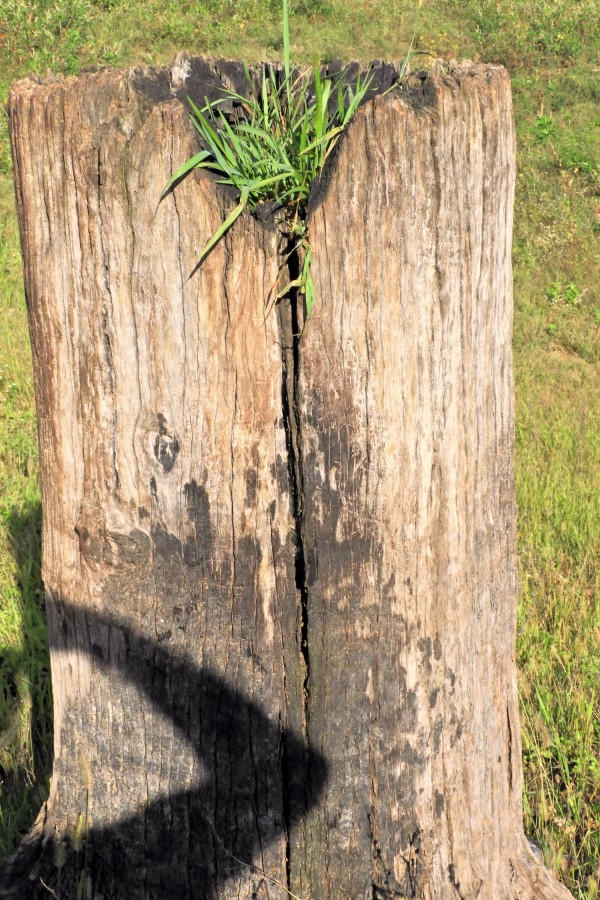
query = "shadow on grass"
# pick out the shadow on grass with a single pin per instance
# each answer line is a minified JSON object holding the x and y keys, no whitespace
{"x":25,"y":764}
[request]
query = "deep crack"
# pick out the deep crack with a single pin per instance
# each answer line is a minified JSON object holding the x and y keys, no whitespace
{"x":290,"y":316}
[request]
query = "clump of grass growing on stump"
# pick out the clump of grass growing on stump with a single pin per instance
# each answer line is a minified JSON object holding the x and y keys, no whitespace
{"x":276,"y":146}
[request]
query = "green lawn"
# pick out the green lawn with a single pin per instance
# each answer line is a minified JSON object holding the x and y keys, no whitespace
{"x":552,"y":50}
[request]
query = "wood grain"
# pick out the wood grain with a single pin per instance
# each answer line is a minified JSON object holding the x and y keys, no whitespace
{"x":280,"y":570}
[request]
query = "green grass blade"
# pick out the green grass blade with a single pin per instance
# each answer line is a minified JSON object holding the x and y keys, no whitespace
{"x":264,"y":95}
{"x":237,"y":150}
{"x":356,"y":97}
{"x":266,"y":182}
{"x":226,"y":225}
{"x":192,"y":163}
{"x":340,"y":101}
{"x":210,"y":136}
{"x":297,"y":282}
{"x":286,"y":47}
{"x":326,"y":137}
{"x":309,"y":296}
{"x":300,"y":111}
{"x":325,"y":99}
{"x":318,"y":102}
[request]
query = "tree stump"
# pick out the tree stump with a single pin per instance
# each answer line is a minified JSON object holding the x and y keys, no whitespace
{"x":280,"y":569}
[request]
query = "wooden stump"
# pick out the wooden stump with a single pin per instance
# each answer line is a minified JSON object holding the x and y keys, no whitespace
{"x":280,"y":571}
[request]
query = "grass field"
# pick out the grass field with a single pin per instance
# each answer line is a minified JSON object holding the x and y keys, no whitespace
{"x":552,"y":50}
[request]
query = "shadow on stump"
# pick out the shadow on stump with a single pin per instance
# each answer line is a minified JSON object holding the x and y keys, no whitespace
{"x":258,"y":780}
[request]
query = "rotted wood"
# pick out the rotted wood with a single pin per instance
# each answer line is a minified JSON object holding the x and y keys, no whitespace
{"x":279,"y":569}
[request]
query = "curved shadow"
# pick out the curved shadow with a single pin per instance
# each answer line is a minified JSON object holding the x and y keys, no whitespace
{"x":260,"y":778}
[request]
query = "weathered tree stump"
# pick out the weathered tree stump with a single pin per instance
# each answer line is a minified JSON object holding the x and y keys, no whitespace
{"x":280,"y":571}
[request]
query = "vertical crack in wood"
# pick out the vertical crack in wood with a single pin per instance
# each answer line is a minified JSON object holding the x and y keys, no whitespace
{"x":510,"y":749}
{"x":106,"y":326}
{"x":290,"y":329}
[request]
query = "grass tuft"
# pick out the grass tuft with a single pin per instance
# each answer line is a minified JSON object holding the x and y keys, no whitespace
{"x":275,"y":147}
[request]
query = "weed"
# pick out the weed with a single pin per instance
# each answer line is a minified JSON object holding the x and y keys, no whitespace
{"x":275,"y":148}
{"x":568,"y":293}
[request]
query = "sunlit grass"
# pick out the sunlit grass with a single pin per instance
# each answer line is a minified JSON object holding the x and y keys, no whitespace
{"x":25,"y":704}
{"x":559,"y":617}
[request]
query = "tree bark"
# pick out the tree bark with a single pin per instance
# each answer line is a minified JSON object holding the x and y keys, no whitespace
{"x":280,"y":570}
